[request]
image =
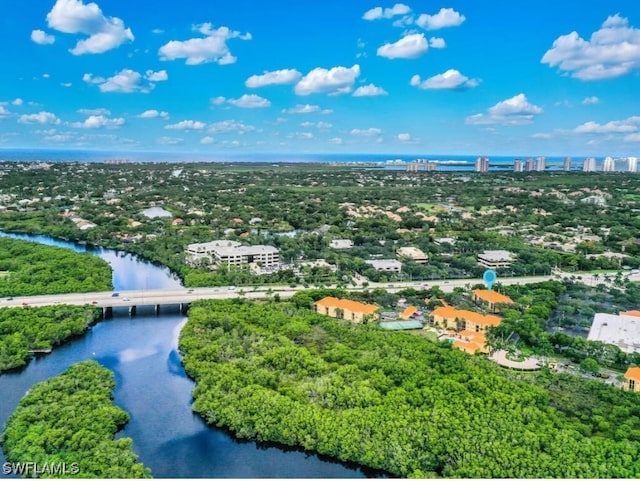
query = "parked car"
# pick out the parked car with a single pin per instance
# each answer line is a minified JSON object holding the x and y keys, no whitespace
{"x":115,"y":294}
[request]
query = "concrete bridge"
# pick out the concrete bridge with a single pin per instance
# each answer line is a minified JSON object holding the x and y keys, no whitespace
{"x":183,"y":296}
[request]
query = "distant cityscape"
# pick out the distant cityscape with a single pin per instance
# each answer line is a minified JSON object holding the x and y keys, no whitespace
{"x":530,"y":164}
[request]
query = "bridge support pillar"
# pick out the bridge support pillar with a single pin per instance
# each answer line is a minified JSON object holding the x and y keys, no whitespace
{"x":132,"y":311}
{"x":184,"y":307}
{"x":107,"y":312}
{"x":156,"y":309}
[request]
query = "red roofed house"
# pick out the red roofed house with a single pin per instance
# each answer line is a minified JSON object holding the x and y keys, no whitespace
{"x":409,"y":312}
{"x":490,"y":298}
{"x":347,"y":309}
{"x":632,"y":379}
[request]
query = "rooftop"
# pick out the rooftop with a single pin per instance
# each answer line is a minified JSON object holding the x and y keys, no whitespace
{"x":499,"y":255}
{"x":620,"y":330}
{"x":408,"y":312}
{"x":462,"y":314}
{"x":350,"y":305}
{"x":633,"y":373}
{"x":492,"y":296}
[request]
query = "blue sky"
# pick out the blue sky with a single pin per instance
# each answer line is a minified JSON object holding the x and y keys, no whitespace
{"x":417,"y":77}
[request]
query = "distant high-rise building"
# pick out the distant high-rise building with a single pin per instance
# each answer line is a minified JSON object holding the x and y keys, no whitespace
{"x":632,"y":164}
{"x":541,"y":164}
{"x":482,"y":164}
{"x":530,"y":165}
{"x":608,"y":165}
{"x":567,"y":164}
{"x":518,"y":166}
{"x":589,"y":165}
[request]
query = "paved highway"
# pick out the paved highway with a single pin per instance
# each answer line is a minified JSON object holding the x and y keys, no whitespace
{"x":185,"y":295}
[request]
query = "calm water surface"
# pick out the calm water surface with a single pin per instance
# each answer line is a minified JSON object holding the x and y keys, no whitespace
{"x":152,"y":386}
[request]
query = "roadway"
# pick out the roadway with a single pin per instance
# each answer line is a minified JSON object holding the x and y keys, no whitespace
{"x":184,"y":295}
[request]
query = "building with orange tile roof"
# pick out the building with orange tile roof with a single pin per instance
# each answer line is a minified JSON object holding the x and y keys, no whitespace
{"x":460,"y":319}
{"x":347,"y":309}
{"x":408,"y":312}
{"x":471,"y":342}
{"x":632,"y":379}
{"x":631,"y":313}
{"x":490,"y":298}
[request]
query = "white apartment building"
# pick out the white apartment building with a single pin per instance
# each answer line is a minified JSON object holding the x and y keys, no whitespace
{"x":608,"y":165}
{"x":341,"y":244}
{"x":632,"y":164}
{"x":589,"y":165}
{"x":232,"y":253}
{"x":386,"y":265}
{"x":496,"y":259}
{"x":541,"y":164}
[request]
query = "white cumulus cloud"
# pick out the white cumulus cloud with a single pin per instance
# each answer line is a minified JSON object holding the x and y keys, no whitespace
{"x":127,"y":81}
{"x":3,"y":112}
{"x":379,"y":12}
{"x":370,"y":90}
{"x":39,"y":118}
{"x":210,"y":48}
{"x":207,"y":140}
{"x":628,"y":125}
{"x":410,"y":46}
{"x":247,"y":101}
{"x":276,"y":77}
{"x":336,"y":80}
{"x":153,"y":114}
{"x":514,"y":111}
{"x":612,"y":51}
{"x":590,"y":100}
{"x":99,"y":121}
{"x":446,"y":17}
{"x":437,"y":42}
{"x":450,"y":80}
{"x":370,"y":132}
{"x":186,"y":125}
{"x":17,"y":102}
{"x":230,"y":126}
{"x":73,"y":16}
{"x":42,"y":38}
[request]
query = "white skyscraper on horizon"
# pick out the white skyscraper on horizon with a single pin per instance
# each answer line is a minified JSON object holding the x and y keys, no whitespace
{"x":589,"y":165}
{"x":482,"y":164}
{"x":567,"y":164}
{"x":608,"y":165}
{"x":632,"y":164}
{"x":541,"y":164}
{"x":518,"y":166}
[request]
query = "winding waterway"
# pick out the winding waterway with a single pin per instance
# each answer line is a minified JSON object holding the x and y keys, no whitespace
{"x":152,"y":386}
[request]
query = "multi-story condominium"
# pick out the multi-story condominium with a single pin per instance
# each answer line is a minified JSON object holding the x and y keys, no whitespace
{"x":267,"y":257}
{"x":495,"y":259}
{"x":518,"y":166}
{"x":529,"y":165}
{"x":632,"y":164}
{"x":482,"y":164}
{"x":541,"y":164}
{"x":566,"y":166}
{"x":608,"y":165}
{"x":589,"y":165}
{"x":232,"y":253}
{"x":386,"y":265}
{"x":347,"y":309}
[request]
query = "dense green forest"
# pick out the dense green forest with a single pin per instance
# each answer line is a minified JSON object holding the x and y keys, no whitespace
{"x":39,"y":328}
{"x":71,"y":419}
{"x":28,"y":268}
{"x":397,"y":402}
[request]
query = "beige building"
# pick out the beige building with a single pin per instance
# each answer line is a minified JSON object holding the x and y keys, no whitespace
{"x":414,"y":254}
{"x":490,"y":298}
{"x":347,"y":309}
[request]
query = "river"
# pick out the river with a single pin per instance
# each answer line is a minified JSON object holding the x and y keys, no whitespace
{"x":152,"y":386}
